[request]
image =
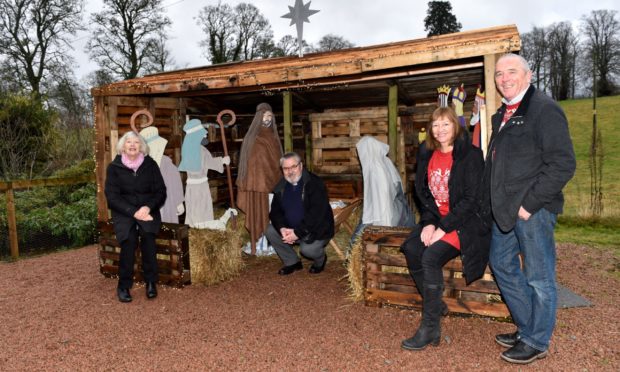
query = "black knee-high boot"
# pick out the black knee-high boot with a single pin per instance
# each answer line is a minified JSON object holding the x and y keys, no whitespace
{"x":418,"y":279}
{"x":429,"y":331}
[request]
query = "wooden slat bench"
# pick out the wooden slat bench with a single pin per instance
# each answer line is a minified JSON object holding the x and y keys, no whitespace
{"x":172,"y":253}
{"x":387,"y":279}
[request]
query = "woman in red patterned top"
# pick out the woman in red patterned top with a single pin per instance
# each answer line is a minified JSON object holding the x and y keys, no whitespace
{"x":447,"y":183}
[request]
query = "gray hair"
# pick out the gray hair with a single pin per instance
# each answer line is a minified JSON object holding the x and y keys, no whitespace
{"x":144,"y":148}
{"x":290,"y":155}
{"x":524,"y":63}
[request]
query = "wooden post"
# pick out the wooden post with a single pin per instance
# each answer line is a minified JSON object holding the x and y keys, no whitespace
{"x":102,"y":157}
{"x":484,"y":129}
{"x":177,"y":129}
{"x":12,"y":221}
{"x":288,"y":121}
{"x":392,"y":120}
{"x":308,"y":141}
{"x":492,"y":97}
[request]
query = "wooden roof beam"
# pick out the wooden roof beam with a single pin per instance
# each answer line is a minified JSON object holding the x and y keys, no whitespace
{"x":338,"y":64}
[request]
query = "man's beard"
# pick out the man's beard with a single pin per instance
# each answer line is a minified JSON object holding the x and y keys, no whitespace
{"x":293,"y":180}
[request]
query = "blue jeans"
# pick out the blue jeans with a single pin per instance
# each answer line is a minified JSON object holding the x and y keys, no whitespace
{"x":531,"y":293}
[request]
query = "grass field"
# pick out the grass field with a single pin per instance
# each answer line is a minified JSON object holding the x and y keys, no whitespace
{"x":576,"y":224}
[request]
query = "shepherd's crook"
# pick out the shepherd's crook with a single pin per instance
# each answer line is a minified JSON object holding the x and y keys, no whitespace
{"x":228,"y":174}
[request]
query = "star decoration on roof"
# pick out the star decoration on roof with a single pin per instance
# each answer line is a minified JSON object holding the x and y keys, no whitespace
{"x":298,"y":15}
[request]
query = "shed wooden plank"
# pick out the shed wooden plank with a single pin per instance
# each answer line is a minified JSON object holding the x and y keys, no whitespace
{"x":260,"y":74}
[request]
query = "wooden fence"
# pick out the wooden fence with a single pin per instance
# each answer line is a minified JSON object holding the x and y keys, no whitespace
{"x":9,"y":187}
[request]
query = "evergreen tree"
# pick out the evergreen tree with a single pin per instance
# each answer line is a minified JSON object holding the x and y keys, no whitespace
{"x":440,"y":20}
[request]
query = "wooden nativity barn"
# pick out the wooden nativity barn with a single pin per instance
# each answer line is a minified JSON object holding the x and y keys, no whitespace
{"x":323,"y":102}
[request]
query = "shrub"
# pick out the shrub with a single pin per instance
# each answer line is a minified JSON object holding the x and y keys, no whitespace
{"x":63,"y":211}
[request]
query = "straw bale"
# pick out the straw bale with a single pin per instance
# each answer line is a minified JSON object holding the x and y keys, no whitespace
{"x":215,"y":256}
{"x":355,"y":270}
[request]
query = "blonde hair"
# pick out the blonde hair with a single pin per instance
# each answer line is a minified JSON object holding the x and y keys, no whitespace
{"x":144,"y":148}
{"x":442,"y":113}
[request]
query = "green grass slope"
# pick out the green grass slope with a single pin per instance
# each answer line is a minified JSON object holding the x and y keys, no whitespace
{"x":576,"y":224}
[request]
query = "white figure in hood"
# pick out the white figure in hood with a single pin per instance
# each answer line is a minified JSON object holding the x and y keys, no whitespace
{"x":173,"y":206}
{"x":384,"y":200}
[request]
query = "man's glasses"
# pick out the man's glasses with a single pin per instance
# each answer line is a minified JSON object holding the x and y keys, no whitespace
{"x":293,"y":167}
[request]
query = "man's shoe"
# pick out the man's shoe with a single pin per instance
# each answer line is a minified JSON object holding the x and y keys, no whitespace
{"x":123,"y":294}
{"x":151,"y":290}
{"x":285,"y":270}
{"x":522,"y":353}
{"x":317,"y":269}
{"x":507,"y":339}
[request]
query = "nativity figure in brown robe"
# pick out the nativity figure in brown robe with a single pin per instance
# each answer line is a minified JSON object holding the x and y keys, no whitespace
{"x":259,"y":171}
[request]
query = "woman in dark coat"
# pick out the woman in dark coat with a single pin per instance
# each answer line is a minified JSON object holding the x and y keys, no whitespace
{"x":446,"y":183}
{"x":135,"y":192}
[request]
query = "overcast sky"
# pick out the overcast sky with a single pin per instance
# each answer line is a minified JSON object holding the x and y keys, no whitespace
{"x":363,"y":22}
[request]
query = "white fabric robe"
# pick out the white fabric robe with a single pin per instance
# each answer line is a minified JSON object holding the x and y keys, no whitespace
{"x":174,"y":190}
{"x":384,"y":203}
{"x":198,"y":201}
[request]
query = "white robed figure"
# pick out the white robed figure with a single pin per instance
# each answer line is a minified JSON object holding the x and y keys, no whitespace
{"x":384,"y":200}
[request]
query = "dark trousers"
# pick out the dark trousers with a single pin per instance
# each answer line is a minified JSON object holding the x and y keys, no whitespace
{"x":128,"y":256}
{"x":426,"y":263}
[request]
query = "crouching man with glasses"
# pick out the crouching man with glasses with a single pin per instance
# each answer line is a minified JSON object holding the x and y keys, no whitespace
{"x":300,"y":214}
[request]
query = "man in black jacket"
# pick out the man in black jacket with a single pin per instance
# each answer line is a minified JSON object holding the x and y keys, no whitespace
{"x":300,"y":214}
{"x":529,"y":160}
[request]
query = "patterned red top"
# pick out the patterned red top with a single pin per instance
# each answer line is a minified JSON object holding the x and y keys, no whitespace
{"x":438,"y":175}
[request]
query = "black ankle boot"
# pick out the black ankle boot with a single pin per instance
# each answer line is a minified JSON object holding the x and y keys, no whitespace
{"x":151,"y":290}
{"x":427,"y":334}
{"x":123,"y":294}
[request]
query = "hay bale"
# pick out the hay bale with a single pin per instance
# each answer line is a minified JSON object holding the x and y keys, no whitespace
{"x":355,"y":270}
{"x":215,"y":256}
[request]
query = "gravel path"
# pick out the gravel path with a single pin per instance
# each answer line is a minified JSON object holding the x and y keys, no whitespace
{"x":58,"y":313}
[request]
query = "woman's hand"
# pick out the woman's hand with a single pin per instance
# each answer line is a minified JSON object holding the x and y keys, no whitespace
{"x":437,"y":235}
{"x":427,"y":233}
{"x":143,"y":214}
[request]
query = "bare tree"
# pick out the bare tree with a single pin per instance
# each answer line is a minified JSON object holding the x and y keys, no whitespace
{"x":602,"y":32}
{"x":127,"y":37}
{"x":234,"y":34}
{"x":333,"y":42}
{"x":561,"y":58}
{"x":34,"y":35}
{"x":99,"y":78}
{"x":162,"y":59}
{"x":287,"y":46}
{"x":218,"y":23}
{"x":534,"y":49}
{"x":253,"y":31}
